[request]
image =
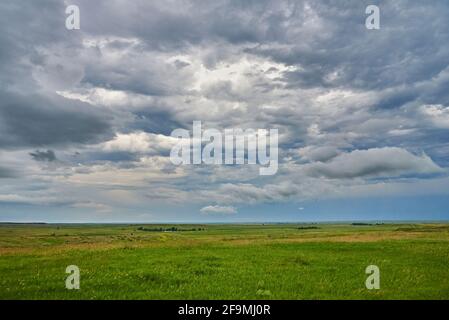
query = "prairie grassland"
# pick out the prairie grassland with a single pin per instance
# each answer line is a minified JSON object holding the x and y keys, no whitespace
{"x":279,"y":261}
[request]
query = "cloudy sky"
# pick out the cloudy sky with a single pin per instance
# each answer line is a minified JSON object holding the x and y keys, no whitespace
{"x":86,"y":115}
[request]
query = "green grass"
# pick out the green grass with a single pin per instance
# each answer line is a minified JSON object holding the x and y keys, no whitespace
{"x":282,"y":261}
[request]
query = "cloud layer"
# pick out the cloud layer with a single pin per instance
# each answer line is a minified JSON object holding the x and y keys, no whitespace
{"x":86,"y":115}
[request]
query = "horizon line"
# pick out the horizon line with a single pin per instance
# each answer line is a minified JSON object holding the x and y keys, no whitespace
{"x":380,"y":221}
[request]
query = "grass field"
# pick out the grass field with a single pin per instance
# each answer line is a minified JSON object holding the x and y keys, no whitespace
{"x":283,"y":261}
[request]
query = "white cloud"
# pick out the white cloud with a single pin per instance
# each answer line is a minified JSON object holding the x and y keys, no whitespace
{"x":438,"y":115}
{"x":139,"y":142}
{"x":218,"y":210}
{"x":97,"y":207}
{"x":376,"y":162}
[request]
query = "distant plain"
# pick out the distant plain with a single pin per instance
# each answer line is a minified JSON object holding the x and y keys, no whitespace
{"x":212,"y":261}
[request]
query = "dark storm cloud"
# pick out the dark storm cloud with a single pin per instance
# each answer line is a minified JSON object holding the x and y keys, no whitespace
{"x":27,"y":25}
{"x":43,"y":156}
{"x":156,"y":121}
{"x":397,"y":99}
{"x":113,"y":156}
{"x":122,"y":78}
{"x":7,"y":173}
{"x":29,"y":116}
{"x":162,"y":28}
{"x":175,"y":26}
{"x":35,"y":121}
{"x":181,"y":64}
{"x":324,"y":38}
{"x":406,"y":49}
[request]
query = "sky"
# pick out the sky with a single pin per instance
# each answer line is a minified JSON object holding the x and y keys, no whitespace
{"x":86,"y":115}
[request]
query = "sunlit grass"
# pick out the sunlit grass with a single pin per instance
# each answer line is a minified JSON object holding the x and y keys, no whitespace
{"x":224,"y":261}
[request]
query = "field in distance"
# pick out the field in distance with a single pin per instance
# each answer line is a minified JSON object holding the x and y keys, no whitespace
{"x":275,"y":261}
